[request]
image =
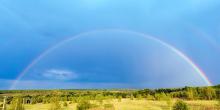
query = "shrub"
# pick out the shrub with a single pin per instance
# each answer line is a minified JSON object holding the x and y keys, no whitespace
{"x":119,"y":98}
{"x":85,"y":105}
{"x":132,"y":97}
{"x":180,"y":105}
{"x":161,"y":96}
{"x":139,"y":97}
{"x":55,"y":104}
{"x":17,"y":104}
{"x":109,"y":107}
{"x":65,"y":104}
{"x":150,"y":97}
{"x":169,"y":102}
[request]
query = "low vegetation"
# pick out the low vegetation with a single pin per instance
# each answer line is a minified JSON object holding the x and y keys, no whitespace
{"x":187,"y":98}
{"x":180,"y":105}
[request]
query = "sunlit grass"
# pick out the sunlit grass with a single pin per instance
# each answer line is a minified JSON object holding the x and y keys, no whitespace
{"x":128,"y":104}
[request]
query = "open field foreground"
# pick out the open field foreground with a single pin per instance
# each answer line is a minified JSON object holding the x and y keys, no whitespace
{"x":128,"y":104}
{"x":187,"y":98}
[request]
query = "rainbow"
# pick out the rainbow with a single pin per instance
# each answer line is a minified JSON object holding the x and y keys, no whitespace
{"x":172,"y":48}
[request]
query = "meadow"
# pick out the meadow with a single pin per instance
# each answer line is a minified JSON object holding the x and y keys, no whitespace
{"x":187,"y":98}
{"x":128,"y":104}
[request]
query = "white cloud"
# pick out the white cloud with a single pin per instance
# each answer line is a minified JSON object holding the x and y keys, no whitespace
{"x":59,"y":74}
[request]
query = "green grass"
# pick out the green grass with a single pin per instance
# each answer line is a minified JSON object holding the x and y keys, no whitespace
{"x":127,"y":104}
{"x":47,"y":106}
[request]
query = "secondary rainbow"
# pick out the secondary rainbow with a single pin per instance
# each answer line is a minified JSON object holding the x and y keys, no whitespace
{"x":172,"y":48}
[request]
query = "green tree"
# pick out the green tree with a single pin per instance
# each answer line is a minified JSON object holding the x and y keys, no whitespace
{"x":180,"y":105}
{"x":190,"y":93}
{"x":209,"y":93}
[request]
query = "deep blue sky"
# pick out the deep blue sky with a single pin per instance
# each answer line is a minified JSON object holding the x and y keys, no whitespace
{"x":29,"y":27}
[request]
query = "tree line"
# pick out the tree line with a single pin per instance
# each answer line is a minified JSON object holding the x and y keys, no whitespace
{"x":45,"y":96}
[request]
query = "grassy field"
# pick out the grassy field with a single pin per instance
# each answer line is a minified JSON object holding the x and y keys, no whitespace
{"x":195,"y":98}
{"x":128,"y":104}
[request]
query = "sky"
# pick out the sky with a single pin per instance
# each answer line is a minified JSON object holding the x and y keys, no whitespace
{"x":108,"y":58}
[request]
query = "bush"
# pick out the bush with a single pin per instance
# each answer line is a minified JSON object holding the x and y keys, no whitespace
{"x":139,"y":97}
{"x":132,"y":97}
{"x":17,"y":104}
{"x":55,"y":104}
{"x":180,"y":105}
{"x":109,"y":107}
{"x":119,"y":98}
{"x":161,"y":96}
{"x":65,"y":104}
{"x":85,"y":105}
{"x":169,"y":101}
{"x":150,"y":97}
